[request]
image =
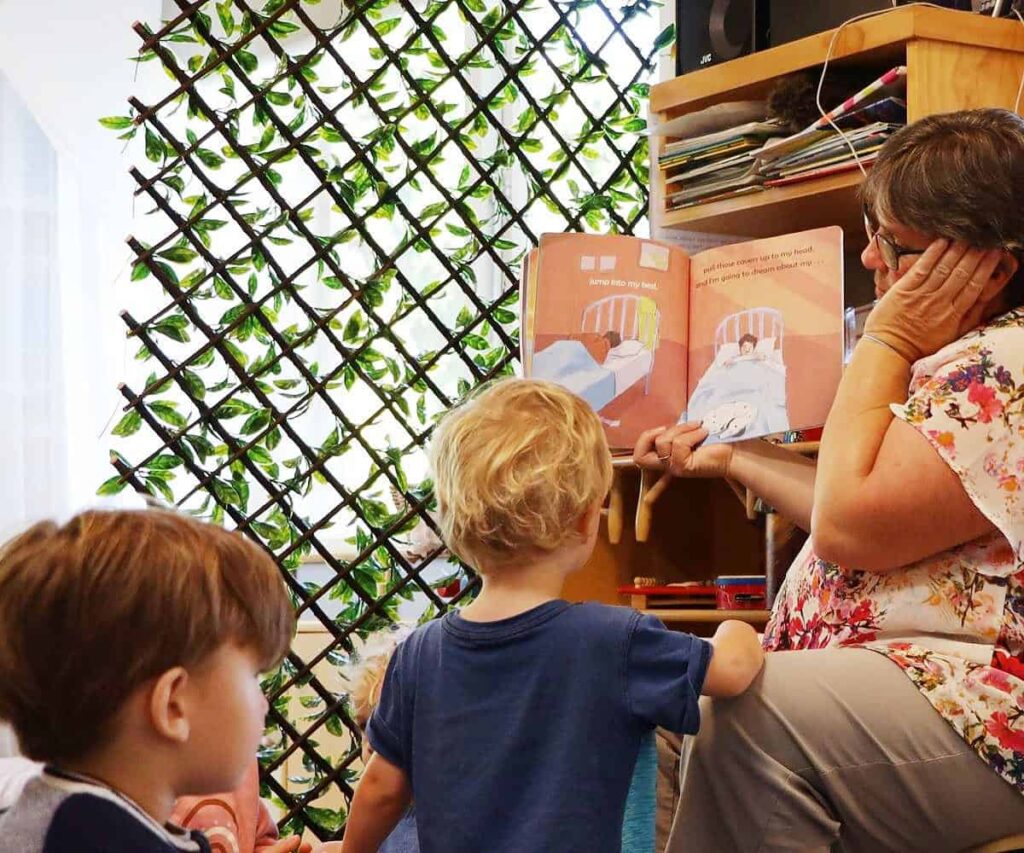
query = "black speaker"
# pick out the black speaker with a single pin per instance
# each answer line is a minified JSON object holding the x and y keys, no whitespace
{"x":711,"y":31}
{"x":794,"y":19}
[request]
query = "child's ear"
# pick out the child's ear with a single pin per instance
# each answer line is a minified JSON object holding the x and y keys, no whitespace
{"x":168,"y":707}
{"x":589,"y":520}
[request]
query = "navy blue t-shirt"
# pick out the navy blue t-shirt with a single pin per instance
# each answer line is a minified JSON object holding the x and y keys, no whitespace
{"x":521,"y":735}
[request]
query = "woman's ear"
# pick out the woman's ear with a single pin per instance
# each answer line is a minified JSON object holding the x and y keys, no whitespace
{"x":1001,"y":293}
{"x":1001,"y":276}
{"x":168,"y":706}
{"x":1005,"y":270}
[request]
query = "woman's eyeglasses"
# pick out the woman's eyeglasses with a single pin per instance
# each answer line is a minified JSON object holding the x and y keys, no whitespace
{"x":889,"y":249}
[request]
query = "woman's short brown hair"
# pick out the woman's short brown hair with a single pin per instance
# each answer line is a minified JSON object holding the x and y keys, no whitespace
{"x":91,"y":610}
{"x":957,"y":175}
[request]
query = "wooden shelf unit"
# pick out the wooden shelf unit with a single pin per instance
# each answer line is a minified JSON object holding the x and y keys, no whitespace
{"x":669,"y":615}
{"x":652,"y":487}
{"x":955,"y":60}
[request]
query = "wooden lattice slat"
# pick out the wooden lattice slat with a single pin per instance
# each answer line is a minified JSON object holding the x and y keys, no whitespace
{"x":324,"y":200}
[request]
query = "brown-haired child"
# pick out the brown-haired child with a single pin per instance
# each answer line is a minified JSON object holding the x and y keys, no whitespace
{"x":130,"y":649}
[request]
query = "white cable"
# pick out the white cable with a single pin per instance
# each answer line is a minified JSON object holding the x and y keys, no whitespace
{"x":824,"y":71}
{"x":1020,"y":88}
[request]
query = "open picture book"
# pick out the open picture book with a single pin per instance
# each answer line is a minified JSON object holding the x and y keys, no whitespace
{"x":746,"y":338}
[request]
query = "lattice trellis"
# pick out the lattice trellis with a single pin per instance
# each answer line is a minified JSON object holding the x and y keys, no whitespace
{"x":342,"y":198}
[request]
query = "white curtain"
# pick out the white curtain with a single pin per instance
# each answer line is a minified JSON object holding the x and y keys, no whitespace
{"x":32,"y":452}
{"x":66,"y":206}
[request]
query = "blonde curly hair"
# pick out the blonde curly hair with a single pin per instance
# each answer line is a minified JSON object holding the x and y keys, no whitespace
{"x":515,"y":467}
{"x":365,"y":675}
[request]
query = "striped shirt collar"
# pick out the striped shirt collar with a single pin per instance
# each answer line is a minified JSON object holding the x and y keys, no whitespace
{"x":76,"y":783}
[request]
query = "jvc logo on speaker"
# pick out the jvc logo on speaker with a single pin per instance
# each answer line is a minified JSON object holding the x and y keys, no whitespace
{"x":706,"y":59}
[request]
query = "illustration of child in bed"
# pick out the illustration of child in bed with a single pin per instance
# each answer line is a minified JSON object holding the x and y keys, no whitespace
{"x":747,"y":350}
{"x":743,"y":391}
{"x":613,"y":351}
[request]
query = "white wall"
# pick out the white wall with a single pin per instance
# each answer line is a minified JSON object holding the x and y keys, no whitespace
{"x":67,"y":60}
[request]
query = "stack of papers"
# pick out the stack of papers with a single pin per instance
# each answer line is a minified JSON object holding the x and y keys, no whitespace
{"x":715,"y":164}
{"x":816,"y":153}
{"x":757,"y":155}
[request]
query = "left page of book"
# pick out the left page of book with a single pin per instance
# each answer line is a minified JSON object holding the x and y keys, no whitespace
{"x":610,"y":324}
{"x":527,"y":307}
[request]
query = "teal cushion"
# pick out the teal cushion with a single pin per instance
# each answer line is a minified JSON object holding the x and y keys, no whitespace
{"x":641,"y":802}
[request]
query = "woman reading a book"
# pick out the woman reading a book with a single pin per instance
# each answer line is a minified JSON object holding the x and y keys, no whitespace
{"x":900,"y":722}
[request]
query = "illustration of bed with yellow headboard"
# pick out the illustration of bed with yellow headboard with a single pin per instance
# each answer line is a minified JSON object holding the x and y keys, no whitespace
{"x":614,"y":350}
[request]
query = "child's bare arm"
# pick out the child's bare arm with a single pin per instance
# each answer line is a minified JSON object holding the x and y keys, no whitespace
{"x":381,"y":799}
{"x":737,"y":658}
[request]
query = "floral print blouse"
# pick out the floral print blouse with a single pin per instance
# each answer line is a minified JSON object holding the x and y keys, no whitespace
{"x":954,"y":621}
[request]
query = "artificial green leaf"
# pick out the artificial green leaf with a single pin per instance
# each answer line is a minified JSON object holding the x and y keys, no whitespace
{"x":113,"y":486}
{"x":168,"y":413}
{"x":283,"y":28}
{"x":128,"y":425}
{"x":209,"y":158}
{"x":154,"y":147}
{"x":227,"y":20}
{"x":255,"y":422}
{"x":179,"y":254}
{"x":387,"y":26}
{"x":163,"y":462}
{"x":666,"y":37}
{"x":117,"y":122}
{"x":247,"y":60}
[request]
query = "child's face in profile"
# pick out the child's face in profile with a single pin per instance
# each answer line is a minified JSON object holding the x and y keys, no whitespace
{"x":226,"y":716}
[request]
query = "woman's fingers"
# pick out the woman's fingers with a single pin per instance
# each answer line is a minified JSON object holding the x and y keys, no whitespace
{"x":689,"y":439}
{"x":933,"y":258}
{"x":972,"y":292}
{"x":664,"y":441}
{"x":946,"y":265}
{"x":655,"y":446}
{"x":645,"y":453}
{"x":995,"y":284}
{"x":960,"y":277}
{"x":955,"y":264}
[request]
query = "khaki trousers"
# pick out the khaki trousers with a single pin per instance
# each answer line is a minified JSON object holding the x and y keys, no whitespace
{"x":835,"y":749}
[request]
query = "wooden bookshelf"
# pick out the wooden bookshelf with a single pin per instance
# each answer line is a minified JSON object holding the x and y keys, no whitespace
{"x":829,"y":201}
{"x":707,"y":614}
{"x":955,"y":60}
{"x":651,"y":488}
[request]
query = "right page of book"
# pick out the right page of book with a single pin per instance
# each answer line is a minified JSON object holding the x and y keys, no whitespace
{"x":766,"y":334}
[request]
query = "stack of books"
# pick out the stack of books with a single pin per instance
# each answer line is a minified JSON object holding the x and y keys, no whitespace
{"x":703,"y":594}
{"x":822,"y":150}
{"x":715,"y":165}
{"x":757,"y":155}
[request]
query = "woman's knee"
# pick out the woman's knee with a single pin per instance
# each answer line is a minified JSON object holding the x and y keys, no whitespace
{"x":734,"y":719}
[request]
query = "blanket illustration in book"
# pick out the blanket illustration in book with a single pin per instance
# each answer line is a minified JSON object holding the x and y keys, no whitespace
{"x":746,"y":338}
